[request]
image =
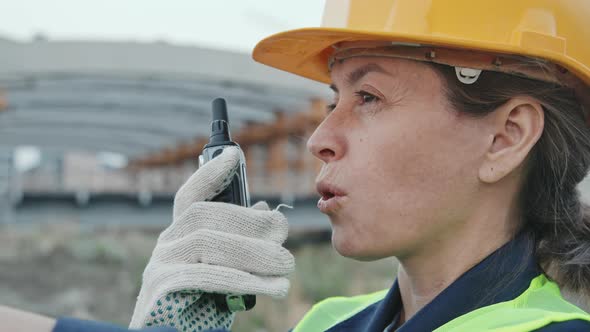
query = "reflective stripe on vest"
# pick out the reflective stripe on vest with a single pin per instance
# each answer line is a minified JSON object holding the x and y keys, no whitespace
{"x":334,"y":310}
{"x":538,"y":306}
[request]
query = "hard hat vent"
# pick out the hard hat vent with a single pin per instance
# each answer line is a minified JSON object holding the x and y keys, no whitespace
{"x":467,"y":75}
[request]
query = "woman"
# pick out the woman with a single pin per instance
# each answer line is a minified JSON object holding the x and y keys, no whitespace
{"x":456,"y":139}
{"x":468,"y":177}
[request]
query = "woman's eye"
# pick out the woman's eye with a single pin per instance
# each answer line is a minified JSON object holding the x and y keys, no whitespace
{"x":366,"y":97}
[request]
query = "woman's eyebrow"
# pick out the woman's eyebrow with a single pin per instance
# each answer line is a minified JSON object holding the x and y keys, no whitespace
{"x":360,"y":72}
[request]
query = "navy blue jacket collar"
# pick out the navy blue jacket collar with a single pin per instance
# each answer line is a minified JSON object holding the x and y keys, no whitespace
{"x":501,"y":276}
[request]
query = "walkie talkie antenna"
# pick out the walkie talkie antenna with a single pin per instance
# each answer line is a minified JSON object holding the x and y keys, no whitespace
{"x":220,"y":123}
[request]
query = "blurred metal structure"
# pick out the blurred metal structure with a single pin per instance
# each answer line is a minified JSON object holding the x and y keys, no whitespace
{"x":6,"y":170}
{"x":132,"y":98}
{"x":150,"y":103}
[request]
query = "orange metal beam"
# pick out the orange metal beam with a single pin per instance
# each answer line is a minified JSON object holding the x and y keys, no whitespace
{"x":3,"y":101}
{"x":297,"y":124}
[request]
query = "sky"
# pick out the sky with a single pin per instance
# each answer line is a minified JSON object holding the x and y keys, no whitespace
{"x":224,"y":24}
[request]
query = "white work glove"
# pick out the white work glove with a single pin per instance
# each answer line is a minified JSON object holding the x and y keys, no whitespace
{"x":212,"y":247}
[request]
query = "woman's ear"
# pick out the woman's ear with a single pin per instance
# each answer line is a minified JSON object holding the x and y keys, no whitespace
{"x":517,"y":125}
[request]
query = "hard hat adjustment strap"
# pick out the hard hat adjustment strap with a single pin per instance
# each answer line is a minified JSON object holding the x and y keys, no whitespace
{"x":511,"y":64}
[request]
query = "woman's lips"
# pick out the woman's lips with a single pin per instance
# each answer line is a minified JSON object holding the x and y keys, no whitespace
{"x":330,"y":204}
{"x":331,"y":198}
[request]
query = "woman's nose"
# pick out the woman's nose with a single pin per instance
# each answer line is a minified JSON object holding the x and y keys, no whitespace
{"x":325,"y":143}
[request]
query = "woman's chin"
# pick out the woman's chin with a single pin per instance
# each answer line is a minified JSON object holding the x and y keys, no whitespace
{"x":351,"y":247}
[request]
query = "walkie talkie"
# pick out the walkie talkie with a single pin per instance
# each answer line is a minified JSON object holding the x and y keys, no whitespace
{"x":235,"y":193}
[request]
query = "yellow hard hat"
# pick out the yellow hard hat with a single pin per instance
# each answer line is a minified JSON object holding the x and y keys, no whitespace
{"x":489,"y":32}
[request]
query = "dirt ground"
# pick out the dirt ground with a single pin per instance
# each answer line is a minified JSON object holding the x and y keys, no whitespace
{"x":66,"y":270}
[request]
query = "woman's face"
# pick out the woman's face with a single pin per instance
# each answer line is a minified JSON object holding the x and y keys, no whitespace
{"x":402,"y":163}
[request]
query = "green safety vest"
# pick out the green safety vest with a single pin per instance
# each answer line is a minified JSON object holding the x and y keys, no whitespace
{"x":540,"y":305}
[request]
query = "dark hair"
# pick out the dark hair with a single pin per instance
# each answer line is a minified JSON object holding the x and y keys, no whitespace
{"x":550,"y":202}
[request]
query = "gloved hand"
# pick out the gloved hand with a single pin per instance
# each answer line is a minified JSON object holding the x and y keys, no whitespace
{"x":212,"y":247}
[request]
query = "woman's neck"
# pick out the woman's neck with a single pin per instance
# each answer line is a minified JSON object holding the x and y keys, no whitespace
{"x":443,"y":257}
{"x":424,"y":275}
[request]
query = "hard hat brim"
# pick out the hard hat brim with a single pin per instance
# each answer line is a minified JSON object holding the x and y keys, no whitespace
{"x":305,"y":52}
